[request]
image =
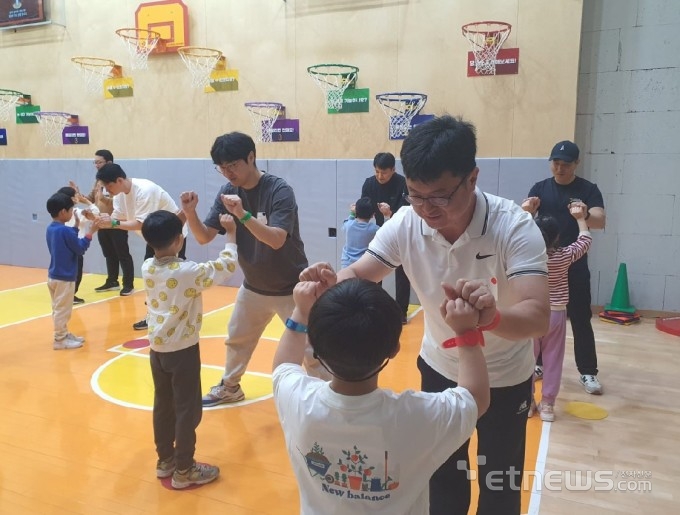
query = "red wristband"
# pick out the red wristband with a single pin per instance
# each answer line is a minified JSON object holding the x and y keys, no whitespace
{"x":468,"y":339}
{"x":494,"y":323}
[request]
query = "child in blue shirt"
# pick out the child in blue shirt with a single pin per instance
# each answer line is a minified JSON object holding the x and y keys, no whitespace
{"x":360,"y":228}
{"x":65,"y":247}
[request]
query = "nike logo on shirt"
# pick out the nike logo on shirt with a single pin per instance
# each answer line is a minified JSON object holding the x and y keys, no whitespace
{"x":483,"y":256}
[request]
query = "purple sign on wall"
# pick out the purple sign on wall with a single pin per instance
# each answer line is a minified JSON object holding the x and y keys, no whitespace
{"x":286,"y":130}
{"x":3,"y":136}
{"x":75,"y":135}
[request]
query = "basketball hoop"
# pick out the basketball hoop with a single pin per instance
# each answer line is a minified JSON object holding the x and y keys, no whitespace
{"x":400,"y":109}
{"x":333,"y":80}
{"x":200,"y":62}
{"x":52,"y":125}
{"x":486,"y":39}
{"x":8,"y":99}
{"x":263,"y":115}
{"x":94,"y":70}
{"x":140,"y":43}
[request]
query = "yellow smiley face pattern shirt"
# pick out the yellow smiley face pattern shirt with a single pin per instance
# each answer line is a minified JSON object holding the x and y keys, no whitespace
{"x":174,"y":301}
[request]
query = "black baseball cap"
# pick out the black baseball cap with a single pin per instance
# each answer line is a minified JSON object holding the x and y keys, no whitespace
{"x":565,"y":151}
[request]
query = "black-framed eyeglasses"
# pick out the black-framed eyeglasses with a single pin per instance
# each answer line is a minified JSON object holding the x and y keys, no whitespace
{"x":434,"y":201}
{"x":227,"y":167}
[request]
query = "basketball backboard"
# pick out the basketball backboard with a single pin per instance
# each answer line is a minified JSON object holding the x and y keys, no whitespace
{"x":170,"y":18}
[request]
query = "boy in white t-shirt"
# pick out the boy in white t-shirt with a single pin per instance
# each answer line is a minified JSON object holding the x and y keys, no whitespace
{"x":354,"y":447}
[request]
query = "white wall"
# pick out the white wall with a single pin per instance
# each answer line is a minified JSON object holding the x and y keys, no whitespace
{"x":627,"y":125}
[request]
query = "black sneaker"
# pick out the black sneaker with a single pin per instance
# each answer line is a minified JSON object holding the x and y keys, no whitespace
{"x":127,"y":290}
{"x":140,"y":326}
{"x":107,"y":287}
{"x":78,"y":300}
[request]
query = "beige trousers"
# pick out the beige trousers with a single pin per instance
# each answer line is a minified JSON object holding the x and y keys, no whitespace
{"x":62,"y":305}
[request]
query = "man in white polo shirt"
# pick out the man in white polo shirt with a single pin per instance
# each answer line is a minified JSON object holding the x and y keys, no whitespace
{"x":495,"y":254}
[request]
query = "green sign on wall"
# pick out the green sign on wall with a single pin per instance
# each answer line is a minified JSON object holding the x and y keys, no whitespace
{"x":25,"y":113}
{"x":353,"y":101}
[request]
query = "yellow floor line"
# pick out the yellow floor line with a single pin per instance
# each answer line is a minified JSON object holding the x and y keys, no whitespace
{"x":31,"y":302}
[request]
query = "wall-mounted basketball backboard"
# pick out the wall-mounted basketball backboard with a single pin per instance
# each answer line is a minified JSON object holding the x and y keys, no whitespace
{"x":170,"y":18}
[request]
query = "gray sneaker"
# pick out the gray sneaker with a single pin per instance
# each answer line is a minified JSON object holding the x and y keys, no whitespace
{"x":66,"y":343}
{"x":197,"y":474}
{"x":165,"y":468}
{"x":591,"y":384}
{"x":72,"y":336}
{"x":220,"y":394}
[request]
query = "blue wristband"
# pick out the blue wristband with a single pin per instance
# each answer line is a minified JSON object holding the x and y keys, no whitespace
{"x":295,"y":326}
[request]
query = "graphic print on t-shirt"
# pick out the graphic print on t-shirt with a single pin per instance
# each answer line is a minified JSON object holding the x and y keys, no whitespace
{"x":352,"y":476}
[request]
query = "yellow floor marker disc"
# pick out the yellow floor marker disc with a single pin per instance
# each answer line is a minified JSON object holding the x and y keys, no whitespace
{"x":586,"y":410}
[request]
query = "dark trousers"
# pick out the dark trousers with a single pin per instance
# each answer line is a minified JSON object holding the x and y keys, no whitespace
{"x":402,"y":289}
{"x":580,"y":313}
{"x":501,"y":435}
{"x":79,"y":276}
{"x":114,"y":244}
{"x":177,"y":408}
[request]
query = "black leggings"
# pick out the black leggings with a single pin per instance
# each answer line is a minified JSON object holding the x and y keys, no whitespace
{"x":501,"y":435}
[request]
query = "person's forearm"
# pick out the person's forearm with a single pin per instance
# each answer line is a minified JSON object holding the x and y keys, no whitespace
{"x":527,"y":319}
{"x":597,"y":218}
{"x":198,"y":228}
{"x":346,"y":273}
{"x":274,"y":237}
{"x":473,"y":376}
{"x":291,"y":348}
{"x":129,"y":225}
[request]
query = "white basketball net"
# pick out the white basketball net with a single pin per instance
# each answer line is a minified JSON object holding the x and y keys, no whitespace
{"x":263,"y":115}
{"x":400,"y":109}
{"x":139,"y":43}
{"x":333,"y":80}
{"x":486,"y":39}
{"x":52,"y":126}
{"x":93,"y":71}
{"x":8,"y":99}
{"x":200,"y":62}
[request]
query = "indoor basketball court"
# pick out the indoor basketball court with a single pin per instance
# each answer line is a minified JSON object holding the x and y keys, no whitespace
{"x":322,"y":86}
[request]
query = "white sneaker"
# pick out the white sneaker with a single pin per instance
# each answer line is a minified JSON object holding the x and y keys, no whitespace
{"x":591,"y":384}
{"x":532,"y":408}
{"x":538,"y":372}
{"x":546,"y":412}
{"x":221,"y":394}
{"x":66,"y":343}
{"x":73,"y":337}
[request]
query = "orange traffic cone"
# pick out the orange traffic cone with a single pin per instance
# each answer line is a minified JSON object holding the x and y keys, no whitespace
{"x":620,"y":297}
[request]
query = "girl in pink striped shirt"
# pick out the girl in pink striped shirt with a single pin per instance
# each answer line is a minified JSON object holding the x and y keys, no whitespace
{"x":551,"y":346}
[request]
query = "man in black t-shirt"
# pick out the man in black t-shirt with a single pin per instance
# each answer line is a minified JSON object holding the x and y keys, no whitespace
{"x":552,"y":197}
{"x":270,"y":253}
{"x":386,"y":189}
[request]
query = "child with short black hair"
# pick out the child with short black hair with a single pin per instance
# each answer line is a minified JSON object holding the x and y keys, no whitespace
{"x":65,"y":248}
{"x":359,"y":229}
{"x":355,"y":447}
{"x":173,"y":288}
{"x":82,"y":220}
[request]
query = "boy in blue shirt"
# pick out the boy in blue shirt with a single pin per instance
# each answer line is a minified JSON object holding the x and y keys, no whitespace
{"x":65,"y":247}
{"x":359,"y":231}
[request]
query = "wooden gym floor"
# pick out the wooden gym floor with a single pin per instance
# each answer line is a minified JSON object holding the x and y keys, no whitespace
{"x":76,"y":434}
